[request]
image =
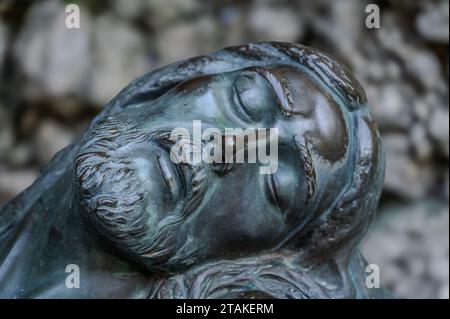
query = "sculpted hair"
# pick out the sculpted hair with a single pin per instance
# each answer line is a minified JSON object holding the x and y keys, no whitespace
{"x":112,"y":197}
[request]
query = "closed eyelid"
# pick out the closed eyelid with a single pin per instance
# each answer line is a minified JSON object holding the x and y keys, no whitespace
{"x":280,"y":89}
{"x":239,"y":102}
{"x":254,"y":97}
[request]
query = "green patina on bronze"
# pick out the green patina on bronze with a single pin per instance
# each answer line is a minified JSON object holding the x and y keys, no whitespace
{"x":105,"y":203}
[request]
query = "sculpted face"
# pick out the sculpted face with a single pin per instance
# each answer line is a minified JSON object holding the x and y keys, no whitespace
{"x":168,"y":215}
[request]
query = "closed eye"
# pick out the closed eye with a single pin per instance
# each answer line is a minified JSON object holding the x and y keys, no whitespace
{"x":241,"y":105}
{"x":280,"y":90}
{"x":254,"y":97}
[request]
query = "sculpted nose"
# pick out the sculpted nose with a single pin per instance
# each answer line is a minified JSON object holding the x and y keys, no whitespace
{"x":245,"y":147}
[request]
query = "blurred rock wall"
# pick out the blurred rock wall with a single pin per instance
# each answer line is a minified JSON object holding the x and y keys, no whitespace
{"x":54,"y":80}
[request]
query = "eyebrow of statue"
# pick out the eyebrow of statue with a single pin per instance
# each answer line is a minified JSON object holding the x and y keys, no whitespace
{"x":280,"y":88}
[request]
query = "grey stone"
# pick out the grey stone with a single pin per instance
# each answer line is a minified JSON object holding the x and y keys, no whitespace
{"x":163,"y":13}
{"x":185,"y":39}
{"x":54,"y":58}
{"x":390,"y":37}
{"x":6,"y":132}
{"x":406,"y":178}
{"x":50,"y":138}
{"x":232,"y":22}
{"x":423,"y":148}
{"x":424,"y":66}
{"x":275,"y":23}
{"x":423,"y":105}
{"x":393,"y":69}
{"x":131,"y":9}
{"x":4,"y":37}
{"x":446,"y":187}
{"x":420,"y":63}
{"x":341,"y":26}
{"x":433,"y":22}
{"x":19,"y":155}
{"x":439,"y":129}
{"x":156,"y":14}
{"x":119,"y":54}
{"x":391,"y":105}
{"x":410,"y":245}
{"x":396,"y":143}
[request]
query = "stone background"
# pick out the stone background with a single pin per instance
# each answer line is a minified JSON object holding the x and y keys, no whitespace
{"x":54,"y":80}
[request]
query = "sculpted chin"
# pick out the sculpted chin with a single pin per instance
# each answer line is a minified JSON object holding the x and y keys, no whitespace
{"x":139,"y":225}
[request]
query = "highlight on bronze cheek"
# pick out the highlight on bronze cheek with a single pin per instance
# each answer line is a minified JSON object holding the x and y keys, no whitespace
{"x":306,"y":98}
{"x":330,"y":134}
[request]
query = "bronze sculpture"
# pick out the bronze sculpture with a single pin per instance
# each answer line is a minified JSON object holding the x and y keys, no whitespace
{"x":140,"y":226}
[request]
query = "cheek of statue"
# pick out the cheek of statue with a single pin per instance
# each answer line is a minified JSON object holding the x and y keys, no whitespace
{"x":329,"y":134}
